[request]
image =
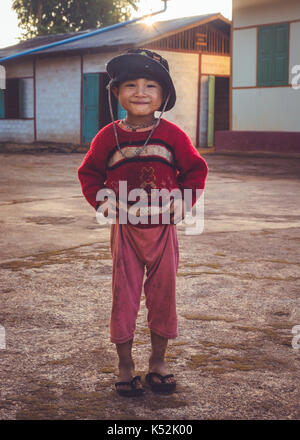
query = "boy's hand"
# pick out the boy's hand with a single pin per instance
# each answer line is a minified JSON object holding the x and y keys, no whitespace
{"x":113,"y":207}
{"x":177,"y":211}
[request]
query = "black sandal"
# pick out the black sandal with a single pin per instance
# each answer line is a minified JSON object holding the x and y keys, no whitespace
{"x":163,"y":387}
{"x":134,"y":391}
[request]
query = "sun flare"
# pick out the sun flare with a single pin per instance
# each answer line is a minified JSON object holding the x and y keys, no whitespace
{"x":149,"y":21}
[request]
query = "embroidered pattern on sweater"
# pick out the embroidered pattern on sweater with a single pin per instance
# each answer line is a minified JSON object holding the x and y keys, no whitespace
{"x":147,"y":178}
{"x":149,"y":151}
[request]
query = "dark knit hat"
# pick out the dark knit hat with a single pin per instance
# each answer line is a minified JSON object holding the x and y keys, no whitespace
{"x":142,"y":63}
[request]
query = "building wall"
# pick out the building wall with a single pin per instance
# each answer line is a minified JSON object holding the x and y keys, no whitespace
{"x":58,"y":88}
{"x":184,"y":70}
{"x":16,"y":130}
{"x":294,"y":49}
{"x":58,"y":94}
{"x":268,"y":109}
{"x":255,"y":12}
{"x":97,"y":62}
{"x":262,"y":108}
{"x":244,"y":58}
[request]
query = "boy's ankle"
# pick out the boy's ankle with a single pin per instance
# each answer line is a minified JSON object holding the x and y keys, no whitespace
{"x":156,"y":360}
{"x":128,"y":365}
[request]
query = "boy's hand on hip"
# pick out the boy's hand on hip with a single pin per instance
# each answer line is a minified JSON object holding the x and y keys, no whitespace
{"x":177,"y":211}
{"x":106,"y":206}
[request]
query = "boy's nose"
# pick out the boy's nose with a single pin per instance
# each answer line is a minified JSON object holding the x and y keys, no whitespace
{"x":140,"y":89}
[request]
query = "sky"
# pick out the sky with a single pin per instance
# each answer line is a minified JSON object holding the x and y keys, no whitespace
{"x":9,"y":31}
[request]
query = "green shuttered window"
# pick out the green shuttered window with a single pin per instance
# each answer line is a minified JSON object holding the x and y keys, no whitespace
{"x":273,"y":55}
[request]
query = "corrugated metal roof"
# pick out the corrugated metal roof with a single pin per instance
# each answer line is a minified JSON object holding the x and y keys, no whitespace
{"x":134,"y":34}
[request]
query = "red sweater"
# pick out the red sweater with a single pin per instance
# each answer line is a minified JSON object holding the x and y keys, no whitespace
{"x":169,"y":161}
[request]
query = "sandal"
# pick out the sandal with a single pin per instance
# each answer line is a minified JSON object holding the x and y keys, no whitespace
{"x":163,"y":386}
{"x":134,"y":391}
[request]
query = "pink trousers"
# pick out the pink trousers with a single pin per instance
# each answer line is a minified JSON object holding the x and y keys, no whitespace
{"x":133,"y":249}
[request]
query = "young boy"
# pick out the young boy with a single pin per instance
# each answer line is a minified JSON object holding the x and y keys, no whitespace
{"x":148,"y":153}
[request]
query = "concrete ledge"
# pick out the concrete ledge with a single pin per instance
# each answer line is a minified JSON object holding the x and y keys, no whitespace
{"x":42,"y":147}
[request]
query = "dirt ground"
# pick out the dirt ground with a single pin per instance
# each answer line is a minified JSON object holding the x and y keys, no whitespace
{"x":237,"y":293}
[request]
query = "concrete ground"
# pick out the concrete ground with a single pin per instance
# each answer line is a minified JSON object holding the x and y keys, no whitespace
{"x":237,"y":289}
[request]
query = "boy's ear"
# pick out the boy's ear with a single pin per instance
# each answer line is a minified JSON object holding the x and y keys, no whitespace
{"x":115,"y":91}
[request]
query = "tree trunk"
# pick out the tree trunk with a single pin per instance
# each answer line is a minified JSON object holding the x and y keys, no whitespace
{"x":39,"y":12}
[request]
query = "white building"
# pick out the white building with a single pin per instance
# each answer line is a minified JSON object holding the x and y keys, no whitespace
{"x":58,"y":94}
{"x":265,"y":102}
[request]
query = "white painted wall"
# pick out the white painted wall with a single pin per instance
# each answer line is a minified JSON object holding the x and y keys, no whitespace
{"x":16,"y":130}
{"x":254,"y":12}
{"x":58,"y":83}
{"x":244,"y":58}
{"x":97,"y":62}
{"x":294,"y":49}
{"x":267,"y":109}
{"x":184,"y":70}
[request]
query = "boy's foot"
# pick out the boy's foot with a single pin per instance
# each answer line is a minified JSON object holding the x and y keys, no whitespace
{"x":128,"y":383}
{"x":131,"y":388}
{"x":159,"y":379}
{"x":161,"y":384}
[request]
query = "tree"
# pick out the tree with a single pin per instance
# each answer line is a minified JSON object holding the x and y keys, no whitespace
{"x":44,"y":17}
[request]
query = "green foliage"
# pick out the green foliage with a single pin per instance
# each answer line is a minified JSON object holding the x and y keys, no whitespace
{"x":44,"y":17}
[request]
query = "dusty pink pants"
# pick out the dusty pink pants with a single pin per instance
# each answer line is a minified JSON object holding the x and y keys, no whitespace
{"x":132,"y":249}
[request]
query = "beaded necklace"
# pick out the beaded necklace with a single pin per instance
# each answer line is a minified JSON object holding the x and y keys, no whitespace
{"x":134,"y":128}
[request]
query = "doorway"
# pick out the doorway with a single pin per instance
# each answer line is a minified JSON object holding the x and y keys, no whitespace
{"x":95,"y":107}
{"x":214,"y":108}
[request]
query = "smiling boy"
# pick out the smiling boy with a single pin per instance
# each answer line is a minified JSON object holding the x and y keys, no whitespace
{"x":148,"y":153}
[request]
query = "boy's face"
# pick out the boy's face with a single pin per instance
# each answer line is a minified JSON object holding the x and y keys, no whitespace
{"x":139,"y":97}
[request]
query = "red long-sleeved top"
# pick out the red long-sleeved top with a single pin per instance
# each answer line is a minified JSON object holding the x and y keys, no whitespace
{"x":169,"y":161}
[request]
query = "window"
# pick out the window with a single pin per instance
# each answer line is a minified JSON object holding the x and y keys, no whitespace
{"x":273,"y":54}
{"x":16,"y":100}
{"x":12,"y":108}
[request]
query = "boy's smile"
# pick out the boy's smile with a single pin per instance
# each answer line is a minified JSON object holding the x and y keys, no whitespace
{"x":140,"y":98}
